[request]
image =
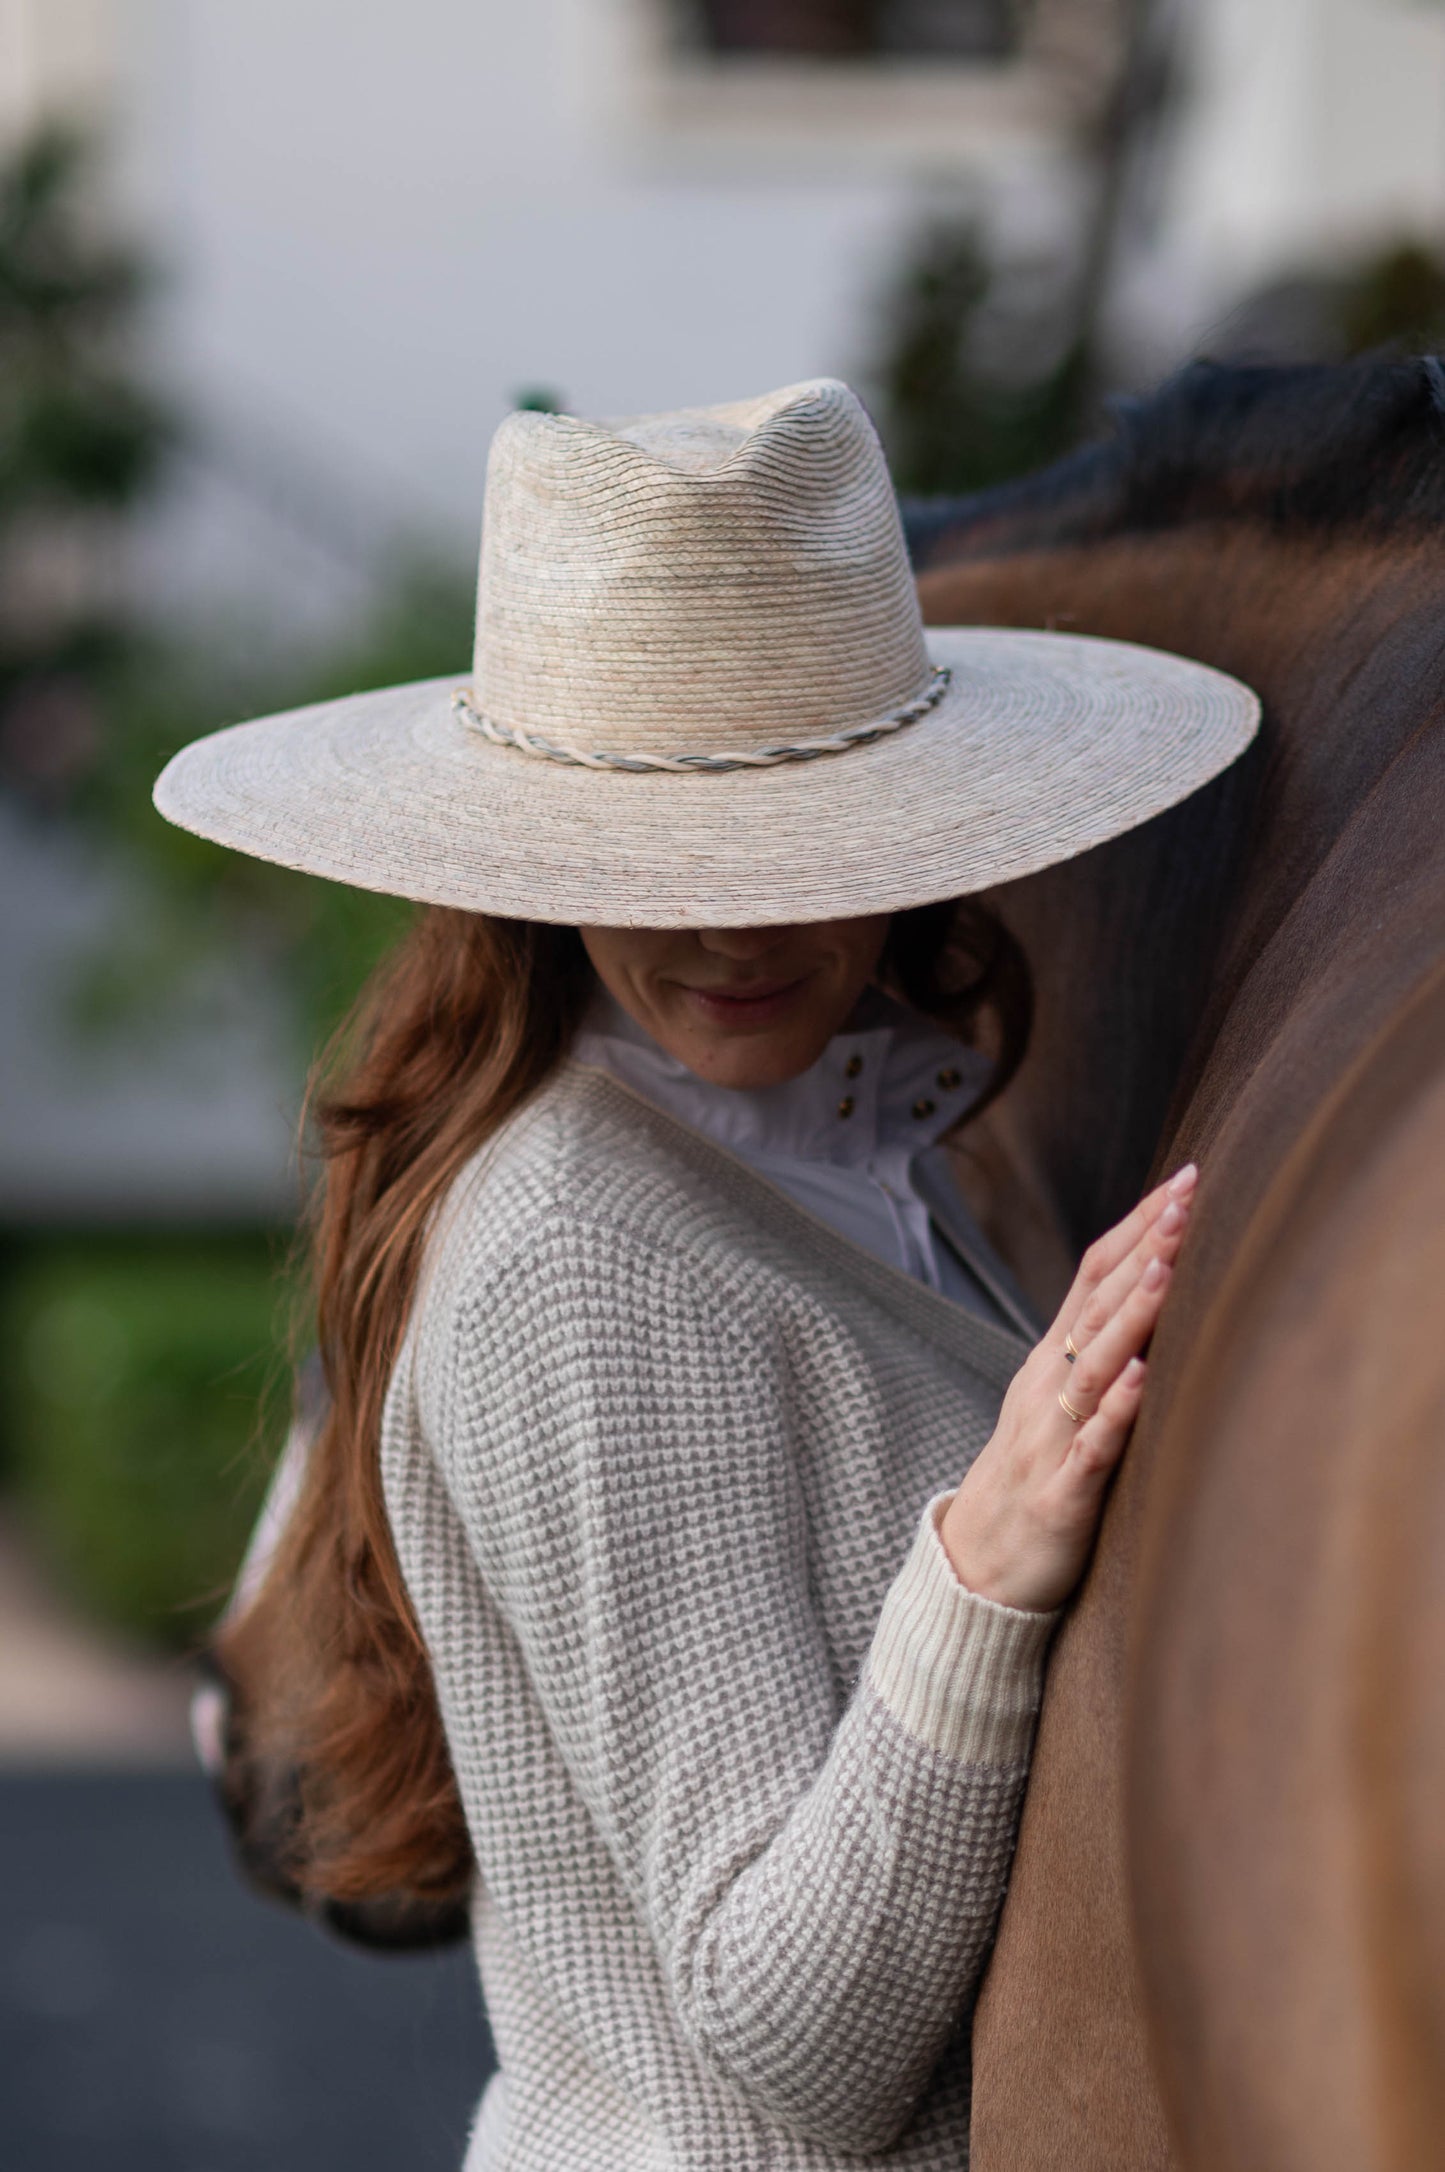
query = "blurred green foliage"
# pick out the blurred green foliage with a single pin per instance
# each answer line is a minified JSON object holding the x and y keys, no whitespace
{"x":74,"y":425}
{"x":539,"y":400}
{"x":1389,"y":299}
{"x":92,"y":705}
{"x":143,"y":1403}
{"x":1395,"y":297}
{"x":208,"y":921}
{"x":79,"y":441}
{"x":983,"y":371}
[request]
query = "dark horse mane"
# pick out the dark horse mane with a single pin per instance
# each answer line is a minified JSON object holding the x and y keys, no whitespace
{"x":1315,"y":448}
{"x":1169,"y":530}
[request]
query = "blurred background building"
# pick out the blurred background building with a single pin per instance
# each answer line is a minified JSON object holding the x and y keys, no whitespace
{"x":271,"y":272}
{"x":374,"y":232}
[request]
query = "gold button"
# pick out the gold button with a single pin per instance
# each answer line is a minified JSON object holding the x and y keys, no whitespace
{"x":845,"y":1106}
{"x":949,"y":1079}
{"x":923,"y":1108}
{"x":852,"y":1067}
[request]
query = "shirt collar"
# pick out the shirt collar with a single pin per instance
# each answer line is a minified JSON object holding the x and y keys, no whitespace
{"x":891,"y":1082}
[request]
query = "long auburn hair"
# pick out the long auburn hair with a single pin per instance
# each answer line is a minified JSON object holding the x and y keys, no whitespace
{"x":337,"y":1776}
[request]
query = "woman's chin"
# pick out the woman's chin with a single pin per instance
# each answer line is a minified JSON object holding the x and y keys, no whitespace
{"x":748,"y":1062}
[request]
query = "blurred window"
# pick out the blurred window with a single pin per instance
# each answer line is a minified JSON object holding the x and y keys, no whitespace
{"x":847,"y":29}
{"x":930,"y":85}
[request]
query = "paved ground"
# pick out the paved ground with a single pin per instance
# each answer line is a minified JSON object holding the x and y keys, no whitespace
{"x":68,"y":1696}
{"x":155,"y":2018}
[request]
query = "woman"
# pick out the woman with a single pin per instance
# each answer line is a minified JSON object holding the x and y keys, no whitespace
{"x":677,"y":1561}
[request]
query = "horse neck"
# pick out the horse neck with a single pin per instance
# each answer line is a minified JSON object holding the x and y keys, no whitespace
{"x":1140,"y":947}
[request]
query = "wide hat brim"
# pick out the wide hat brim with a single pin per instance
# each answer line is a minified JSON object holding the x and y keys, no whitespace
{"x":1043,"y":745}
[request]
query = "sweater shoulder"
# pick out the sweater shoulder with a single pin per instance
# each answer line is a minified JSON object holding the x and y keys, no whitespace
{"x":577,"y":1220}
{"x":586,"y":1169}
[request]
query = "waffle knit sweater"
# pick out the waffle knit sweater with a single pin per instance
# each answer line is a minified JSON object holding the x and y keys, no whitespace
{"x":741,"y":1758}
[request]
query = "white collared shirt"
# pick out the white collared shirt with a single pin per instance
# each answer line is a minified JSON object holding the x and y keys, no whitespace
{"x":842,"y":1139}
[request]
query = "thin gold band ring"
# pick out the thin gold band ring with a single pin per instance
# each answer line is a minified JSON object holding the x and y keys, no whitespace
{"x":1069,"y":1411}
{"x":1069,"y":1351}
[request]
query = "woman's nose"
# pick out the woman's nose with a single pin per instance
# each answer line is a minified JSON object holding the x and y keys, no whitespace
{"x":742,"y":942}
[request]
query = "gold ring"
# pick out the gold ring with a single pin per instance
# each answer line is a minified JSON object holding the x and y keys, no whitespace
{"x":1069,"y":1351}
{"x":1069,"y":1411}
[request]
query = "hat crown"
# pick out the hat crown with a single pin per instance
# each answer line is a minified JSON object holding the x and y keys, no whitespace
{"x":715,"y":580}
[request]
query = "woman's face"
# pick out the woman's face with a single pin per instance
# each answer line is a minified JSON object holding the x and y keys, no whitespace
{"x":740,"y":1007}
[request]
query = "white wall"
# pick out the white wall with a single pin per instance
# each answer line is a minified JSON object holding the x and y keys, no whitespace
{"x":380,"y":222}
{"x":55,"y":58}
{"x":1316,"y":126}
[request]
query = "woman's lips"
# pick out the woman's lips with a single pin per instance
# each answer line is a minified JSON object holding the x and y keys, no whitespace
{"x":756,"y":1004}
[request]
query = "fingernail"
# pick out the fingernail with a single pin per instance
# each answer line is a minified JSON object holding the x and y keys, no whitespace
{"x":1171,"y":1219}
{"x":1134,"y":1372}
{"x":1154,"y":1274}
{"x":1183,"y":1178}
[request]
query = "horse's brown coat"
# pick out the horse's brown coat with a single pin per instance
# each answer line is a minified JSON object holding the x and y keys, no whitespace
{"x":1237,"y":1962}
{"x":1287,"y":1748}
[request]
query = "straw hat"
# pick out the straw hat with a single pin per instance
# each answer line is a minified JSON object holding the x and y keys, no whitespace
{"x":702,"y":696}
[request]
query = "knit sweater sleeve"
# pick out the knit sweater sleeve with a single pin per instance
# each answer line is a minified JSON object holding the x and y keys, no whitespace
{"x":819,"y":1874}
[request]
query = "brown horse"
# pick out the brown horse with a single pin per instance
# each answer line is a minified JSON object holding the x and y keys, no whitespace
{"x":1224,"y":1942}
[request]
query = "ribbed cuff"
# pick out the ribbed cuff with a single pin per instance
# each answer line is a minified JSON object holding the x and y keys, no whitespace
{"x":961,"y":1673}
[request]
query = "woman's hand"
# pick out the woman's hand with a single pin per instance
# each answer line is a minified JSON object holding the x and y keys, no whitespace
{"x":1020,"y":1526}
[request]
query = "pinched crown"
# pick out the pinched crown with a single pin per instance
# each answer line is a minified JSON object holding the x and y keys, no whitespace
{"x":721,"y":579}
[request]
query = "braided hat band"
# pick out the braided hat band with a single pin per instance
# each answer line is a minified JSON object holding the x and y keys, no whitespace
{"x":857,"y":735}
